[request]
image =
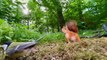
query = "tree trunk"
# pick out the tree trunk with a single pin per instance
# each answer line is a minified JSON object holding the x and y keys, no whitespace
{"x":59,"y":13}
{"x":60,"y":17}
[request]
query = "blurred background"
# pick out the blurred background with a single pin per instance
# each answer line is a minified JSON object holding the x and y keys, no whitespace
{"x":25,"y":20}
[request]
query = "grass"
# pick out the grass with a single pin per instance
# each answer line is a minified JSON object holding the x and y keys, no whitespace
{"x":87,"y":49}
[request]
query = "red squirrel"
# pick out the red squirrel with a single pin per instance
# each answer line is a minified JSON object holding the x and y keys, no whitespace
{"x":69,"y":34}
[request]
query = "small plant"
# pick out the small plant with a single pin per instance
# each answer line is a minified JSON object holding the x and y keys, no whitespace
{"x":6,"y":31}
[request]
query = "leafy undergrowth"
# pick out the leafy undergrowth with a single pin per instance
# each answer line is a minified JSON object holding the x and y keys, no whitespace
{"x":87,"y":49}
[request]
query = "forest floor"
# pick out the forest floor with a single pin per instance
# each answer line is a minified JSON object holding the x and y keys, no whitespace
{"x":87,"y":49}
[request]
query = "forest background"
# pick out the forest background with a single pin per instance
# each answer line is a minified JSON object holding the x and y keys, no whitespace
{"x":27,"y":20}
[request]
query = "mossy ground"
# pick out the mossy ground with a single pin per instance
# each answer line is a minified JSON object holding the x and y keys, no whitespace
{"x":87,"y":49}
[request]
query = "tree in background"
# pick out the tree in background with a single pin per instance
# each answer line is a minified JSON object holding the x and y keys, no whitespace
{"x":50,"y":15}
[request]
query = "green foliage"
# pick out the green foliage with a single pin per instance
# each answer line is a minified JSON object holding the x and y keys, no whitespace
{"x":16,"y":32}
{"x":86,"y":33}
{"x":6,"y":31}
{"x":21,"y":33}
{"x":44,"y":13}
{"x":44,"y":16}
{"x":10,"y":10}
{"x":52,"y":37}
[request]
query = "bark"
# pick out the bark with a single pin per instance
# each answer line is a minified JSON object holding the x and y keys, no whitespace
{"x":60,"y":17}
{"x":59,"y":12}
